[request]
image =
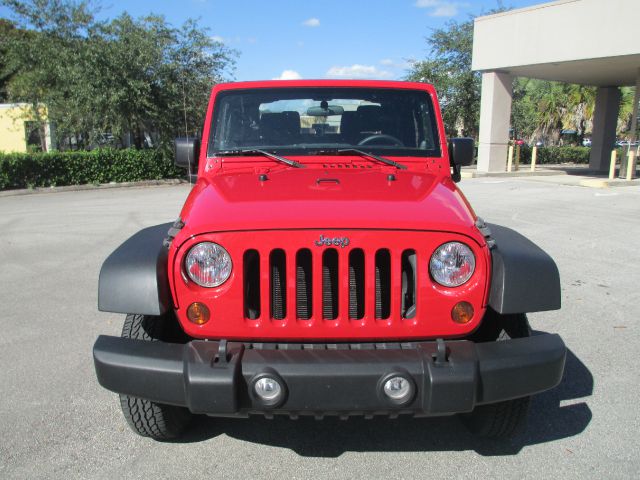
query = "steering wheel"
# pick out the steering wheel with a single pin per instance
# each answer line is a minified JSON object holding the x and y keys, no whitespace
{"x":390,"y":139}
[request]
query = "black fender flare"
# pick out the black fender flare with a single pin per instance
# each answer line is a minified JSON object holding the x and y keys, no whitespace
{"x":524,"y":277}
{"x":134,"y":278}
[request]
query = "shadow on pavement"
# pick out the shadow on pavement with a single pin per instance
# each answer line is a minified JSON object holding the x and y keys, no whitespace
{"x":584,"y":172}
{"x":331,"y":437}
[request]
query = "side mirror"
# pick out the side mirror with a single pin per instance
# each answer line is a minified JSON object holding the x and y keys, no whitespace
{"x":187,"y":151}
{"x":461,"y":151}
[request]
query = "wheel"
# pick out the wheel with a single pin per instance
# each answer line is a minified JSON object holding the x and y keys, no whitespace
{"x":375,"y":139}
{"x":502,"y":419}
{"x":145,"y":417}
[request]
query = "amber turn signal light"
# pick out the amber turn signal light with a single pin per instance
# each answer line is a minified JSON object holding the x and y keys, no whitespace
{"x":462,"y":312}
{"x":198,"y":313}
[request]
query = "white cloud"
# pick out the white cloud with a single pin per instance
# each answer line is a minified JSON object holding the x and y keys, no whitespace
{"x":311,"y":22}
{"x":289,"y":75}
{"x":445,"y":10}
{"x":357,"y":71}
{"x":440,"y":8}
{"x":426,"y":3}
{"x":237,"y":40}
{"x":391,"y":63}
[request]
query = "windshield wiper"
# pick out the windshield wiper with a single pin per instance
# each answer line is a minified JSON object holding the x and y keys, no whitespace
{"x":252,"y":151}
{"x":375,"y":157}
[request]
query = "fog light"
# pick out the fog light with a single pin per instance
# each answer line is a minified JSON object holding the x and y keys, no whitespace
{"x":198,"y":313}
{"x":398,"y":388}
{"x":462,"y":312}
{"x":268,"y":389}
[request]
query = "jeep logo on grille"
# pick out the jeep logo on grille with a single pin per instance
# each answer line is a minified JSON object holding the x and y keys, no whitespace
{"x":335,"y":241}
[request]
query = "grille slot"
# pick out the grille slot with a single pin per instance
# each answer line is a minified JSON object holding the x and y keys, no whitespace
{"x":356,"y":284}
{"x":277,"y":264}
{"x":383,"y":284}
{"x":304,"y":283}
{"x":251,"y":262}
{"x":330,"y":298}
{"x":409,"y":279}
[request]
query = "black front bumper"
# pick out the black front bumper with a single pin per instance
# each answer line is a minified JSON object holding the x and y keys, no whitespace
{"x":216,"y":378}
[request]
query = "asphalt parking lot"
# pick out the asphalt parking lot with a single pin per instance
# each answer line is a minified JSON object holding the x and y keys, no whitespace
{"x":56,"y":422}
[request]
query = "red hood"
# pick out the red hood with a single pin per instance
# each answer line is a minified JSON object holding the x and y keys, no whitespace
{"x":321,"y":199}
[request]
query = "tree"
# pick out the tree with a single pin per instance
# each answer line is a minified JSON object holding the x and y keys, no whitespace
{"x":449,"y":69}
{"x":122,"y":78}
{"x":523,"y":111}
{"x":626,"y":110}
{"x":542,"y":109}
{"x":8,"y":34}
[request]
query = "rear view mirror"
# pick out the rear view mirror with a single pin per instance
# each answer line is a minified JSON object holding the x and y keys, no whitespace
{"x":325,"y":112}
{"x":461,"y":151}
{"x":187,"y":151}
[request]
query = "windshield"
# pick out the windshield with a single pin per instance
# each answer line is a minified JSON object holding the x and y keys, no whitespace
{"x":302,"y":121}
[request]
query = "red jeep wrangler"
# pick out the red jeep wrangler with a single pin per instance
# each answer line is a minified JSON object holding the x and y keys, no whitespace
{"x":325,"y":263}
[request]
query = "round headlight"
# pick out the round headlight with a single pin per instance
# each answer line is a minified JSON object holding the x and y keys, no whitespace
{"x":452,"y":264}
{"x":208,"y":264}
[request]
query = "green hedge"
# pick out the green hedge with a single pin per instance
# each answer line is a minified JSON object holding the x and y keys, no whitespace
{"x":27,"y":170}
{"x":555,"y":155}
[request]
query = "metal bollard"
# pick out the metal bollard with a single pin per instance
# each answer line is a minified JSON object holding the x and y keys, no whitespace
{"x":612,"y":168}
{"x":510,"y":158}
{"x":517,"y":164}
{"x":534,"y":157}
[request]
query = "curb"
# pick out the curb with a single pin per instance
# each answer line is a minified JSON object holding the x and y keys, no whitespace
{"x":606,"y":183}
{"x":517,"y":173}
{"x":563,"y":178}
{"x":100,"y":186}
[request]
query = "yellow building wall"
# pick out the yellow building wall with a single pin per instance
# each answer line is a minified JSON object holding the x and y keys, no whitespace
{"x":12,"y":129}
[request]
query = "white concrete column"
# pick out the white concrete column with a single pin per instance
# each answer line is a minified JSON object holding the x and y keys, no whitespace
{"x":49,"y":137}
{"x":495,"y":118}
{"x":605,"y":121}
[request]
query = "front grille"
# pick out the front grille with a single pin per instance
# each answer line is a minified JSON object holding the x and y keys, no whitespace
{"x":330,"y":295}
{"x":383,"y":287}
{"x":304,"y":284}
{"x":330,"y":284}
{"x":356,"y":284}
{"x":278,"y":283}
{"x":251,"y":261}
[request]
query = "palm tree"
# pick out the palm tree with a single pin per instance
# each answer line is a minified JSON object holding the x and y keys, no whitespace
{"x":551,"y":101}
{"x":581,"y":103}
{"x":626,"y":110}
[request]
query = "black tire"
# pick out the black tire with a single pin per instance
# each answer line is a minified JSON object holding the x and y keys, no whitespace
{"x":502,"y":419}
{"x":145,"y":417}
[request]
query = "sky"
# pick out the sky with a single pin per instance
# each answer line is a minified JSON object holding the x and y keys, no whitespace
{"x":316,"y":39}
